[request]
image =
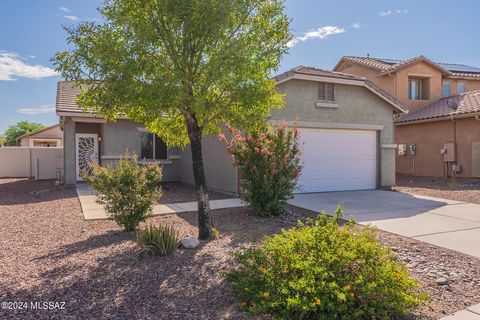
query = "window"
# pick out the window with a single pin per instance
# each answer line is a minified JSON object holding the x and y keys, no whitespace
{"x":414,"y":89}
{"x":418,"y":89}
{"x":461,"y":87}
{"x":152,"y":147}
{"x":446,"y":92}
{"x":326,"y":92}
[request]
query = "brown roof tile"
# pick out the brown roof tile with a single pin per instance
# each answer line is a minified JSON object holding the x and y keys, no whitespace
{"x":468,"y":103}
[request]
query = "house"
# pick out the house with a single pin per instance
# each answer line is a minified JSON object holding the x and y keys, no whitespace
{"x":47,"y":137}
{"x":345,"y":124}
{"x":447,"y":141}
{"x":415,"y":82}
{"x":440,"y":136}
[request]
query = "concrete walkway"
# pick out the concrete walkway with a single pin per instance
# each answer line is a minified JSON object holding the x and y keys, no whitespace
{"x":93,"y":211}
{"x":471,"y":313}
{"x":446,"y":223}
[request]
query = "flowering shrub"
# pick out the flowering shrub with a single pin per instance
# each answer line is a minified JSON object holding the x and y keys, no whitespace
{"x":323,"y":271}
{"x":269,"y":165}
{"x":127,"y":191}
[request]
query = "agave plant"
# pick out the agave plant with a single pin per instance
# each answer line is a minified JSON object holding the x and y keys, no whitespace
{"x":157,"y":240}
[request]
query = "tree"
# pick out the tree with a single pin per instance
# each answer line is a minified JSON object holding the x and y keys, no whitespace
{"x":2,"y":141}
{"x":20,"y":129}
{"x":181,"y":68}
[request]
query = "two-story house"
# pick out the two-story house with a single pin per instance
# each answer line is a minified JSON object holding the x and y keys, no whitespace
{"x":441,"y":134}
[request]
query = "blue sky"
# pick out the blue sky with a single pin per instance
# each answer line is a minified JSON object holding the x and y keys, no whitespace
{"x":444,"y":31}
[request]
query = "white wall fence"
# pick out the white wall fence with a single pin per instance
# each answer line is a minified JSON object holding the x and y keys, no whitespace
{"x":30,"y":162}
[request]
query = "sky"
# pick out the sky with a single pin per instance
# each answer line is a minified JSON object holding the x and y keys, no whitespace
{"x":444,"y":31}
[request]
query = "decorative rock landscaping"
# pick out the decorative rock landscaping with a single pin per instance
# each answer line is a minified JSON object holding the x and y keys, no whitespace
{"x":50,"y":253}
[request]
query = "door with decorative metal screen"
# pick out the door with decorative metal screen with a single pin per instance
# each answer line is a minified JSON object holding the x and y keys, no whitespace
{"x":86,"y":152}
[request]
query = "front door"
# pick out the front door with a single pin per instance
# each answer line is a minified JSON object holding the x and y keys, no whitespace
{"x":86,"y":145}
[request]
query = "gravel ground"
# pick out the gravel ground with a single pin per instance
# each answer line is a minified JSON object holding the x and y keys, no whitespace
{"x":467,"y":190}
{"x":49,"y":253}
{"x":175,"y":192}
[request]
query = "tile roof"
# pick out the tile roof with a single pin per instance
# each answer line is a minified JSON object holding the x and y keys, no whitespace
{"x":303,"y":70}
{"x":386,"y":65}
{"x":67,"y":93}
{"x":468,"y":103}
{"x":316,"y":72}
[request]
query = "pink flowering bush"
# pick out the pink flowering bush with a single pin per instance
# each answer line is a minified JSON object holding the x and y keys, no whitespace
{"x":269,"y":165}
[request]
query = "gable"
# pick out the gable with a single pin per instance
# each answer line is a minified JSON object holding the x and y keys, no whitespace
{"x":353,"y":104}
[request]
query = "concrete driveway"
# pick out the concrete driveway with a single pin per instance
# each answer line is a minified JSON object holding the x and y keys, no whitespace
{"x":446,"y":223}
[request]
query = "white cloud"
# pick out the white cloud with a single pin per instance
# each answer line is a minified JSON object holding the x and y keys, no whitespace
{"x":319,"y":33}
{"x":64,"y":9}
{"x":72,"y":18}
{"x":390,"y":12}
{"x":356,"y":25}
{"x":34,"y":111}
{"x":12,"y":66}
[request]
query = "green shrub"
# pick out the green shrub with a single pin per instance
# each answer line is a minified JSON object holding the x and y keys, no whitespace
{"x":157,"y":240}
{"x":127,"y":191}
{"x":323,"y":271}
{"x":269,"y":165}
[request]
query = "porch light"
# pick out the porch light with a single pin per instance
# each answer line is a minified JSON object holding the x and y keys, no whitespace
{"x":99,"y":139}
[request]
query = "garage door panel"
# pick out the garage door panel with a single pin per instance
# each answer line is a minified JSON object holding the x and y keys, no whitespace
{"x":335,"y":160}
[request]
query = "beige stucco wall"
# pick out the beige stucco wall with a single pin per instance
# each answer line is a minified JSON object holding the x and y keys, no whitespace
{"x":30,"y":162}
{"x":429,"y":138}
{"x":356,"y":106}
{"x":387,"y":83}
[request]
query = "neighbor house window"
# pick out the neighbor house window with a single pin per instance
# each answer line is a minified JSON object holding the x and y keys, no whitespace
{"x":446,"y":92}
{"x":461,"y":87}
{"x":418,"y":89}
{"x":152,"y":147}
{"x":326,"y":92}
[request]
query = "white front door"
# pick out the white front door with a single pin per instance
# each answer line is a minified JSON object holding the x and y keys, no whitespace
{"x":86,"y":147}
{"x":337,"y":160}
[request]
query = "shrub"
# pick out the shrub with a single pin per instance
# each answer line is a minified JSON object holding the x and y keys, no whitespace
{"x":323,"y":271}
{"x":127,"y":191}
{"x":157,"y":240}
{"x":269,"y":165}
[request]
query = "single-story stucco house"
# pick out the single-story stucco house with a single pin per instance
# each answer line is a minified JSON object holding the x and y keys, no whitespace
{"x":345,"y":124}
{"x":47,"y":137}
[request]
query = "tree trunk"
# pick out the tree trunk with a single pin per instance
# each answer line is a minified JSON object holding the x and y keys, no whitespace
{"x":205,"y":223}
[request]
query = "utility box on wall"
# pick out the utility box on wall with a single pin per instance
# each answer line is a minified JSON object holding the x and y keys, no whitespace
{"x":449,"y":155}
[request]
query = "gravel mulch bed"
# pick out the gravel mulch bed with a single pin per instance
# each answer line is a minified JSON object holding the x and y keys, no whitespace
{"x":467,"y":190}
{"x":49,"y":253}
{"x":175,"y":192}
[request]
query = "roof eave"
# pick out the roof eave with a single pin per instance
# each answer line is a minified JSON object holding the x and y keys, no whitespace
{"x":439,"y":118}
{"x":415,"y":61}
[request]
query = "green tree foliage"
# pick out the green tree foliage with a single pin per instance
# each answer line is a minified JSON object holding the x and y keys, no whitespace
{"x":127,"y":191}
{"x":324,"y":271}
{"x":268,"y":161}
{"x":2,"y":141}
{"x":181,"y":68}
{"x":20,"y":129}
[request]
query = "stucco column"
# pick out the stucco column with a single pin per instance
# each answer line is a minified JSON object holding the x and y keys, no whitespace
{"x":69,"y":167}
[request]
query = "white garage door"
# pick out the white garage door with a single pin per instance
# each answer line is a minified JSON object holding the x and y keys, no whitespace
{"x":336,"y":160}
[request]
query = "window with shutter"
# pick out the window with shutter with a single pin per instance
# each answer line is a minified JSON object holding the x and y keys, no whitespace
{"x":326,"y":92}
